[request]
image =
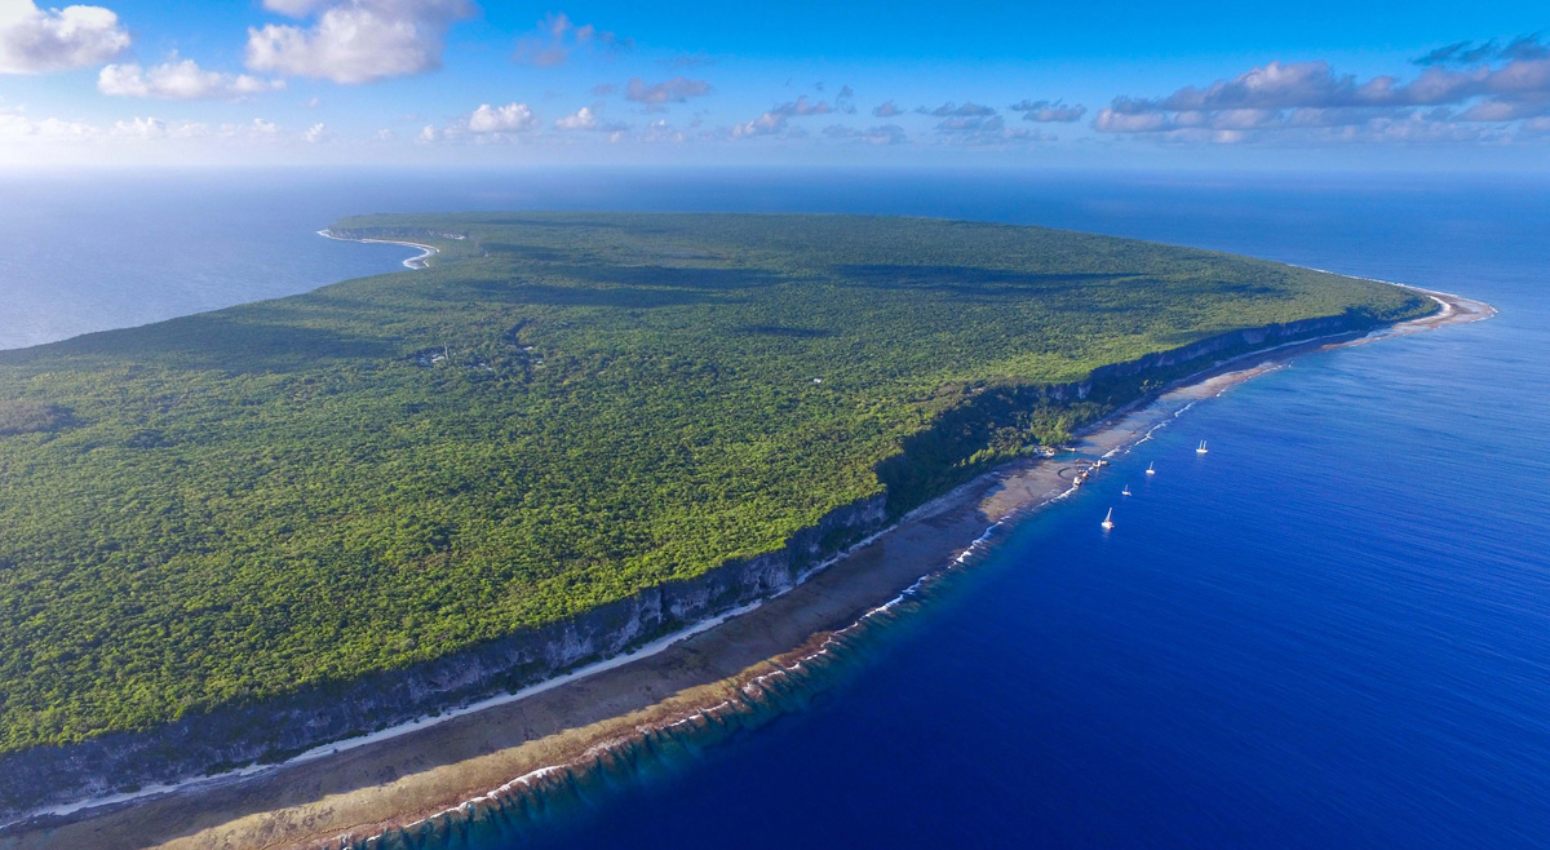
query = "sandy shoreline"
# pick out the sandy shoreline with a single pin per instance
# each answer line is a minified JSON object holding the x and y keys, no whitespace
{"x":426,"y":769}
{"x":420,"y":261}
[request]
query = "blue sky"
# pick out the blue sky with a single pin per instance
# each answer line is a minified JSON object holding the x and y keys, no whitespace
{"x":1196,"y":84}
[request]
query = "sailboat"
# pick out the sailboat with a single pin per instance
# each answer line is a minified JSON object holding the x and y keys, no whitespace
{"x":1202,"y":450}
{"x":1108,"y":521}
{"x":1151,"y":468}
{"x":1126,"y":491}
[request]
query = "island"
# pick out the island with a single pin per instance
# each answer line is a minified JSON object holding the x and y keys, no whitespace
{"x":245,"y":535}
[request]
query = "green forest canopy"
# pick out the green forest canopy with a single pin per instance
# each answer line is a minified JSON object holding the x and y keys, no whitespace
{"x":562,"y":410}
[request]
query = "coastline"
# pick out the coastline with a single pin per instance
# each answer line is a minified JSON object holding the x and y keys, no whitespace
{"x":432,"y":769}
{"x":420,"y":261}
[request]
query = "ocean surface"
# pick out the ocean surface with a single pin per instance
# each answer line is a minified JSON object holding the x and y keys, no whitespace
{"x":1332,"y":631}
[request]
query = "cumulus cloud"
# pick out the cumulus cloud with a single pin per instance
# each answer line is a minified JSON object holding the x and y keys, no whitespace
{"x":1048,"y":111}
{"x":887,"y":109}
{"x":152,"y":129}
{"x":557,"y":38}
{"x":34,"y":40}
{"x":802,"y":106}
{"x":586,"y":118}
{"x":767,"y":124}
{"x":676,"y":90}
{"x":179,"y":79}
{"x":885,"y":134}
{"x":954,"y":110}
{"x":258,"y":128}
{"x":17,"y":126}
{"x":582,"y":119}
{"x":511,"y":118}
{"x":493,"y":124}
{"x":316,"y":133}
{"x":774,"y":121}
{"x":354,"y":41}
{"x":1311,"y":99}
{"x":155,"y":128}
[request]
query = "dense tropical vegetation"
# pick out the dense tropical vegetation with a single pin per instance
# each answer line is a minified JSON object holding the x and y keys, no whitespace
{"x":562,"y":410}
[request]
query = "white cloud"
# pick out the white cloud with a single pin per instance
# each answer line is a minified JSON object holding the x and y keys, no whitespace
{"x":34,"y":40}
{"x":511,"y":118}
{"x":179,"y":79}
{"x":586,"y":118}
{"x":774,"y":122}
{"x":141,"y":128}
{"x":428,"y":134}
{"x":768,"y":124}
{"x":583,"y":119}
{"x":316,"y":133}
{"x":150,"y":129}
{"x":355,"y":41}
{"x":258,"y":128}
{"x":1310,"y":101}
{"x":17,"y":126}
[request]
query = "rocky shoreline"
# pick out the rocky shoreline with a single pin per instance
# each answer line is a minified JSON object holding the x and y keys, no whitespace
{"x":706,"y":699}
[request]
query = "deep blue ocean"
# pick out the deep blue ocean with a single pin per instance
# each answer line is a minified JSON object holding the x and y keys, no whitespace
{"x":1332,"y":631}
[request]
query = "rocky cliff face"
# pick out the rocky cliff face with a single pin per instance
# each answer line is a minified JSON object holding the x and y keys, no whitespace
{"x":275,"y":729}
{"x":1200,"y":354}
